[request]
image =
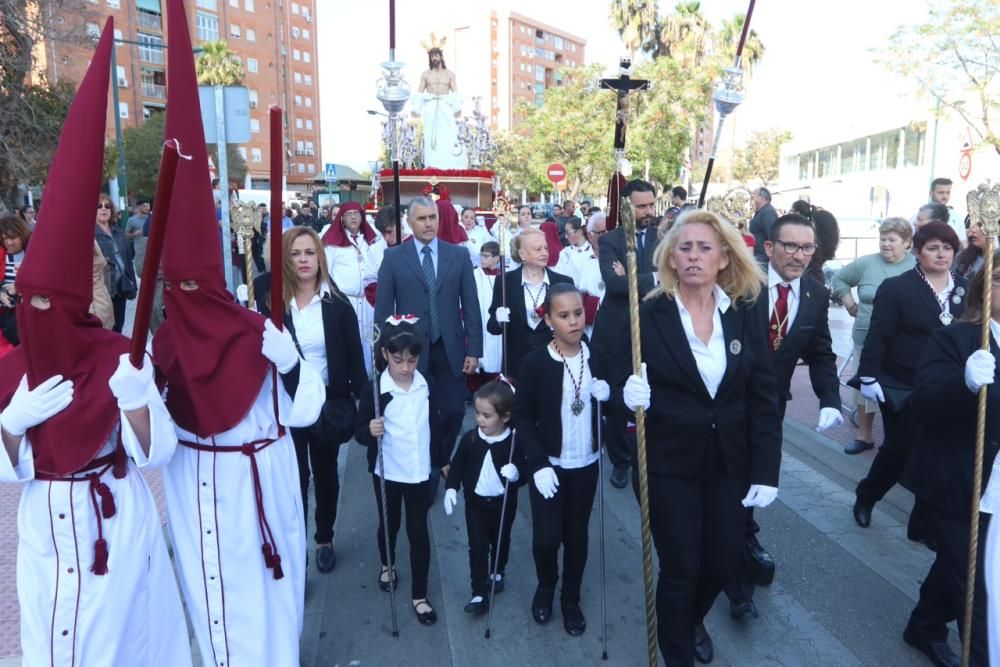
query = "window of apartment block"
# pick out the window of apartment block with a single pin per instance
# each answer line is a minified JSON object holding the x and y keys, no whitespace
{"x":254,"y":99}
{"x":312,"y":168}
{"x":122,"y":79}
{"x":118,"y":36}
{"x":295,"y":8}
{"x":300,"y":147}
{"x":208,"y":4}
{"x":208,"y":26}
{"x":310,"y":148}
{"x":297,"y":77}
{"x":295,"y":32}
{"x":255,"y":154}
{"x":243,"y":152}
{"x":252,"y":65}
{"x":254,"y":126}
{"x":234,"y":31}
{"x":93,"y":31}
{"x":309,"y":124}
{"x":296,"y":54}
{"x":298,"y":123}
{"x":309,"y":102}
{"x":307,"y":79}
{"x":307,"y":56}
{"x":305,"y":33}
{"x":558,"y":42}
{"x":301,"y":168}
{"x":251,"y":35}
{"x":114,"y":4}
{"x":123,"y":109}
{"x":234,"y":3}
{"x":248,"y":5}
{"x":298,"y":100}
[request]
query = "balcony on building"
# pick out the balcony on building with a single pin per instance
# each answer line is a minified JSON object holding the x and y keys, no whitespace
{"x":149,"y":15}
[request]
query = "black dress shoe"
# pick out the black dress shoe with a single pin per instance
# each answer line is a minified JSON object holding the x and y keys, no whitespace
{"x":541,"y":605}
{"x":862,"y":514}
{"x":938,"y":652}
{"x":478,"y":605}
{"x":703,"y":649}
{"x":858,"y":446}
{"x":573,"y":620}
{"x":761,"y":563}
{"x":326,"y":559}
{"x":426,"y":617}
{"x":740,"y":609}
{"x":619,"y":476}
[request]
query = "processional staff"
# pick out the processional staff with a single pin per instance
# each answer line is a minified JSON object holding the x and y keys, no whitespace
{"x":624,"y":85}
{"x":501,"y":208}
{"x":984,"y":210}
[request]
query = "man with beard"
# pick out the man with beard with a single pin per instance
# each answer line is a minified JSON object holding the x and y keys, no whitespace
{"x":612,"y":324}
{"x":438,"y":103}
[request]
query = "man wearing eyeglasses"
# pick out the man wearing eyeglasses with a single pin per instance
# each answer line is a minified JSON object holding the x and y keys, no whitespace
{"x":798,"y":328}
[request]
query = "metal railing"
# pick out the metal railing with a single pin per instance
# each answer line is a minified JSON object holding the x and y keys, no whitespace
{"x":154,"y":90}
{"x":148,"y":20}
{"x":151,"y":54}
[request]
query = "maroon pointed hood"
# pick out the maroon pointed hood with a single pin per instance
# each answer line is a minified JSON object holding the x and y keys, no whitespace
{"x":209,"y":347}
{"x":65,"y":339}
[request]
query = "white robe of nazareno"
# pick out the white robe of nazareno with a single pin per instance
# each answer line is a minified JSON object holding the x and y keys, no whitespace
{"x":69,"y":616}
{"x":492,"y":344}
{"x":351,"y":270}
{"x":241,"y":615}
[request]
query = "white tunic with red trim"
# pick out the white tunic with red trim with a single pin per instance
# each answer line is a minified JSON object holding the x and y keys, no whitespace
{"x":69,"y":616}
{"x":492,"y":344}
{"x":242,"y":615}
{"x":351,"y":270}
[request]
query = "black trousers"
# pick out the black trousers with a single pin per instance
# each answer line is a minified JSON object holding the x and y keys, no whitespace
{"x":942,"y":595}
{"x":482,"y":521}
{"x":900,"y":432}
{"x":321,"y":458}
{"x":562,"y":521}
{"x":119,"y":302}
{"x":698,"y":528}
{"x":417,"y":500}
{"x":451,"y":389}
{"x":742,"y":585}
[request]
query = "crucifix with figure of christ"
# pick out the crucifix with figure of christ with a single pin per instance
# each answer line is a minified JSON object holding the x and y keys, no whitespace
{"x":622,"y":85}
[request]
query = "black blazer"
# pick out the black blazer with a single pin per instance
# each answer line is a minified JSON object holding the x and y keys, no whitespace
{"x":522,"y":338}
{"x":612,"y":326}
{"x":809,"y":339}
{"x":940,"y":467}
{"x":538,"y":402}
{"x":467,"y":462}
{"x":440,"y":450}
{"x":905,"y":314}
{"x":685,"y":427}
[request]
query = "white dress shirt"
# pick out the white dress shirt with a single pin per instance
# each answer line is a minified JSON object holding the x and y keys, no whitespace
{"x":711,"y":358}
{"x":433,"y":245}
{"x":536,"y":292}
{"x":308,"y":324}
{"x":406,"y":445}
{"x":773,"y":280}
{"x":577,"y":435}
{"x":489,"y":484}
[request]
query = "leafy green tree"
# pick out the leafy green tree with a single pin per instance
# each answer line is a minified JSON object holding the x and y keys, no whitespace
{"x":954,"y":58}
{"x":217,"y":65}
{"x":143,"y":148}
{"x":759,"y":159}
{"x":638,"y":25}
{"x":236,"y":166}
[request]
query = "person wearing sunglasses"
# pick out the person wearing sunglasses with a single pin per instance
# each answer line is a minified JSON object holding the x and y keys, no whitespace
{"x":117,"y":252}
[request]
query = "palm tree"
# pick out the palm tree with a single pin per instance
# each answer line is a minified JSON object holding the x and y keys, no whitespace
{"x":686,"y":35}
{"x":728,"y":38}
{"x":218,"y":66}
{"x":638,"y":25}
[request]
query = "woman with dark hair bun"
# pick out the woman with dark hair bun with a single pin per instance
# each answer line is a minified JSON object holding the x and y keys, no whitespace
{"x":970,"y":261}
{"x":827,"y":238}
{"x":803,"y":208}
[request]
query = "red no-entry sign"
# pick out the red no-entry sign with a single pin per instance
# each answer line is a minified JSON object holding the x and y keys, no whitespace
{"x":556,"y":172}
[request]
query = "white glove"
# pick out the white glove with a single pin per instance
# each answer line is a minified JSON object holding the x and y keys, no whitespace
{"x":279,"y":347}
{"x":130,"y":385}
{"x":637,"y":391}
{"x":600,"y":391}
{"x":872,"y":391}
{"x":980,"y":368}
{"x":760,"y":496}
{"x":502,"y":314}
{"x":450,"y":500}
{"x":546,"y":482}
{"x":242,"y":294}
{"x":828,"y":418}
{"x":31,"y":407}
{"x":509,"y":470}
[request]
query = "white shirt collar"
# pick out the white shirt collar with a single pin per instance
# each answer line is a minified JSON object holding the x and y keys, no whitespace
{"x":545,"y":278}
{"x":722,"y":300}
{"x":493,"y":439}
{"x":774,"y":279}
{"x":421,"y":245}
{"x":388,"y":385}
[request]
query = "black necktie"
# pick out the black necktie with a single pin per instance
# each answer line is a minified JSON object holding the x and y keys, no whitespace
{"x":640,"y":238}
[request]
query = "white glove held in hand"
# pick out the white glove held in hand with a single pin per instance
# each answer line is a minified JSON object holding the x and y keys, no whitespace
{"x":450,"y":500}
{"x":637,"y":391}
{"x":242,"y":293}
{"x":872,"y":391}
{"x":980,"y":368}
{"x":502,"y":315}
{"x":760,"y":496}
{"x":31,"y":407}
{"x":828,"y":418}
{"x":509,"y":470}
{"x":279,"y":347}
{"x":130,"y":385}
{"x":600,"y":390}
{"x":546,"y":482}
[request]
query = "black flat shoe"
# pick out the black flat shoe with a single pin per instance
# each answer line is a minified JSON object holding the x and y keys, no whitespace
{"x":478,"y":605}
{"x":761,"y":563}
{"x":541,"y":605}
{"x":704,"y":651}
{"x":738,"y":610}
{"x":938,"y":652}
{"x":858,"y":446}
{"x":427,"y":617}
{"x":498,"y":587}
{"x":619,"y":476}
{"x":573,"y":620}
{"x":862,"y":514}
{"x":383,"y":579}
{"x":326,"y":559}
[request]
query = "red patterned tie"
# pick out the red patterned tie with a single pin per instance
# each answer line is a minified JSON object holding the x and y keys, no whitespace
{"x":778,"y":327}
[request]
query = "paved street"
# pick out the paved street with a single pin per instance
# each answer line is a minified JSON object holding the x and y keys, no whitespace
{"x":841,"y":595}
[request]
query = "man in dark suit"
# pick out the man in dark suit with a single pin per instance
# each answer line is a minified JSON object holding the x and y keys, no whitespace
{"x":433,"y":280}
{"x":611,"y":329}
{"x":761,"y":223}
{"x":798,"y":328}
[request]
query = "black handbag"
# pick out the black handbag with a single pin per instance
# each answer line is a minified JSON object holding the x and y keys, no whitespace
{"x":336,"y":420}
